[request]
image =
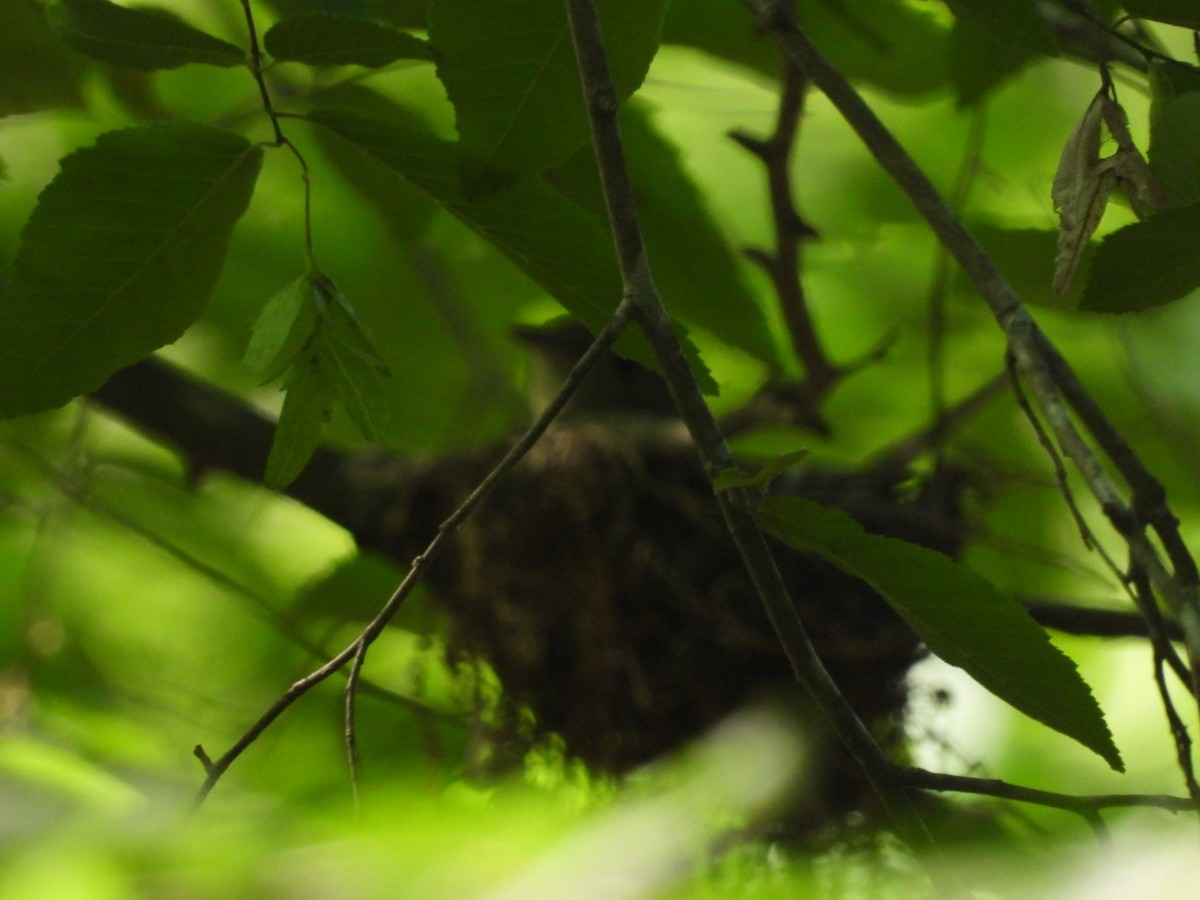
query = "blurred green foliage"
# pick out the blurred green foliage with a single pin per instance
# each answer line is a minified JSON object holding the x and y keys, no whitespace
{"x":142,"y":613}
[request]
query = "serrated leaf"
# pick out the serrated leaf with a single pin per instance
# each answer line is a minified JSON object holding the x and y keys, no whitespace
{"x":558,"y":244}
{"x":1185,"y":13}
{"x":320,"y":39}
{"x":694,"y":267}
{"x":959,"y":616}
{"x":119,"y":256}
{"x":1146,"y":264}
{"x":138,"y":39}
{"x":307,"y":409}
{"x":284,"y":326}
{"x":509,"y":69}
{"x":1175,"y":146}
{"x":892,"y":44}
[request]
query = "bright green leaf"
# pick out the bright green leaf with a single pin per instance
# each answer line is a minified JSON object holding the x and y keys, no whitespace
{"x":119,"y":257}
{"x":1174,"y":12}
{"x":557,"y":243}
{"x":307,"y":409}
{"x":138,"y":39}
{"x":509,"y":69}
{"x":694,"y":267}
{"x":283,"y":328}
{"x":1146,"y":264}
{"x":337,"y":40}
{"x":1175,"y":147}
{"x":959,"y":615}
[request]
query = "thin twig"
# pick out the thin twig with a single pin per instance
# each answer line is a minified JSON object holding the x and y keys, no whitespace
{"x":1081,"y":804}
{"x":421,"y":564}
{"x":782,"y":264}
{"x":351,"y":732}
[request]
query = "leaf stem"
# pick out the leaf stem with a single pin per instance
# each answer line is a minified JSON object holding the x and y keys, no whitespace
{"x":255,"y":62}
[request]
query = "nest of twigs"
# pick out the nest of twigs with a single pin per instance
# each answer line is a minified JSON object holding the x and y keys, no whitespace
{"x":600,"y":584}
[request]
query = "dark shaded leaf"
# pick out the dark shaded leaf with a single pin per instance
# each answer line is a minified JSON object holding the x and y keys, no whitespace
{"x":328,"y":40}
{"x":1174,"y":12}
{"x":978,"y":61}
{"x":887,"y":43}
{"x":1146,"y":264}
{"x":1175,"y":146}
{"x":1014,"y":22}
{"x":138,"y":39}
{"x":307,"y":409}
{"x":119,"y":257}
{"x":694,"y":267}
{"x":561,"y":246}
{"x":959,"y":615}
{"x":509,"y":69}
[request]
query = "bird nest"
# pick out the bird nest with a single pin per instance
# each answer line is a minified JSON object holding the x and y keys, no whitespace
{"x":601,"y":586}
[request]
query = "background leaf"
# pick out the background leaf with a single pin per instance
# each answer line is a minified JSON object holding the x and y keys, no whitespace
{"x":694,"y":267}
{"x":136,"y":38}
{"x":50,"y":74}
{"x":119,"y":257}
{"x":958,"y":614}
{"x":509,"y":69}
{"x":1175,"y":146}
{"x":888,"y":43}
{"x":1174,"y":12}
{"x":557,"y":243}
{"x":1146,"y":264}
{"x":332,"y":40}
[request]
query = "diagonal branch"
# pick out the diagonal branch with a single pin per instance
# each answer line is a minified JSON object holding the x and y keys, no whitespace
{"x":714,"y":451}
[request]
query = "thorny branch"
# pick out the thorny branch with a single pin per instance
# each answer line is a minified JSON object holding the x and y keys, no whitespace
{"x":1051,"y":380}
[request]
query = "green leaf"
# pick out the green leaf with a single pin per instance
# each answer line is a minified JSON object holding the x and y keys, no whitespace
{"x":1010,"y":21}
{"x":1026,"y":257}
{"x":891,"y":44}
{"x":1174,"y":12}
{"x":509,"y":69}
{"x":138,"y":39}
{"x":957,"y":614}
{"x":979,"y":61}
{"x":406,"y":210}
{"x":1170,"y":78}
{"x":337,"y":40}
{"x":694,"y":267}
{"x":1146,"y":264}
{"x":307,"y":409}
{"x":728,"y":479}
{"x":311,"y":325}
{"x":1175,"y":147}
{"x":49,"y":73}
{"x":119,"y":257}
{"x":285,"y":325}
{"x":558,"y":244}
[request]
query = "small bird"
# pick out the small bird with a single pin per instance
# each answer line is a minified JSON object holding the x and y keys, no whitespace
{"x":614,"y":388}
